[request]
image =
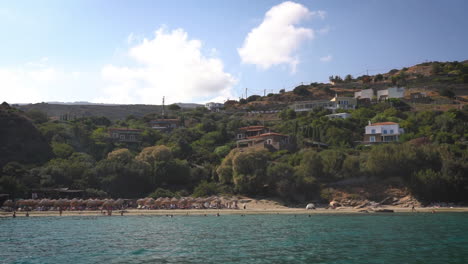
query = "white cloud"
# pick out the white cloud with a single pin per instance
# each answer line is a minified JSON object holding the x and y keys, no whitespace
{"x":326,"y":58}
{"x":276,"y":39}
{"x":38,"y":81}
{"x":170,"y":65}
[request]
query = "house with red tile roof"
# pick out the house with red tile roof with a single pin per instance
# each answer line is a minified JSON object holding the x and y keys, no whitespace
{"x":382,"y":132}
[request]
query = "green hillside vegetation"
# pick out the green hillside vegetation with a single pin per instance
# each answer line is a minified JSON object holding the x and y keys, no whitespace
{"x":430,"y":161}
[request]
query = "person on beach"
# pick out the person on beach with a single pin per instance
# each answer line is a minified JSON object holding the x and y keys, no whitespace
{"x":14,"y":214}
{"x":245,"y":206}
{"x":121,"y":213}
{"x":60,"y":211}
{"x":27,"y":214}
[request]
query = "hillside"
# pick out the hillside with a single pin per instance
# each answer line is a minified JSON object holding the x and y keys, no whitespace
{"x":323,"y":159}
{"x":20,"y":141}
{"x":445,"y":82}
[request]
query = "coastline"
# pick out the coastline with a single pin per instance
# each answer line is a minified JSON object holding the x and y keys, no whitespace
{"x":212,"y":212}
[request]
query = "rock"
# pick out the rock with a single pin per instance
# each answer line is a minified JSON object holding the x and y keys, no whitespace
{"x":363,"y":211}
{"x":384,"y":211}
{"x":310,"y":206}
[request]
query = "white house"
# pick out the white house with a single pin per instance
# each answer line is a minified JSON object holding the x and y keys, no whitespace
{"x":393,"y":92}
{"x":215,"y":107}
{"x":382,"y":132}
{"x":339,"y":115}
{"x":364,"y":94}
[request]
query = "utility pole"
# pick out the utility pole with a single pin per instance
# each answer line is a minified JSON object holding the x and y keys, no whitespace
{"x":264,"y":92}
{"x":163,"y":109}
{"x":245,"y":93}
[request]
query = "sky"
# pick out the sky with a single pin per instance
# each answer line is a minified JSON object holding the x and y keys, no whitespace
{"x":136,"y":52}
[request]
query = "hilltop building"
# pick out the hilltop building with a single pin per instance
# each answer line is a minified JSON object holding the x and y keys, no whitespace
{"x":333,"y":104}
{"x":343,"y":102}
{"x":369,"y":94}
{"x":165,"y":124}
{"x":382,"y":132}
{"x":214,"y":107}
{"x":128,"y":135}
{"x":394,"y":92}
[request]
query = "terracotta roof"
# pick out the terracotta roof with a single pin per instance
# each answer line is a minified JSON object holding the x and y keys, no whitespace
{"x":126,"y":129}
{"x":383,"y":124}
{"x":252,"y":127}
{"x":268,"y":134}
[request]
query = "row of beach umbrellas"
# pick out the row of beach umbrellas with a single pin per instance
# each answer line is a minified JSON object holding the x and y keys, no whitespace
{"x":107,"y":203}
{"x":64,"y":203}
{"x":184,"y":201}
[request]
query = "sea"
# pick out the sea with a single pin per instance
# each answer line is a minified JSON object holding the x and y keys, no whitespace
{"x":325,"y":238}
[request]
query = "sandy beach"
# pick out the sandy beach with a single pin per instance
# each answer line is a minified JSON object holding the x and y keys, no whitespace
{"x":212,"y":212}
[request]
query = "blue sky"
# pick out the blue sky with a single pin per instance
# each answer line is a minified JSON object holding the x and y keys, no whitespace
{"x":204,"y":50}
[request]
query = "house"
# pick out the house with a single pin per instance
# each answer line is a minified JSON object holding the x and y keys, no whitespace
{"x":311,"y":105}
{"x":364,"y":94}
{"x":125,"y":134}
{"x":394,"y":92}
{"x":214,"y":107}
{"x":270,"y":141}
{"x":343,"y":102}
{"x":382,"y":132}
{"x":165,"y":124}
{"x":251,"y":131}
{"x":339,"y":115}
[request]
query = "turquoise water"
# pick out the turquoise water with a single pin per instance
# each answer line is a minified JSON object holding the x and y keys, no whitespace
{"x":375,"y":238}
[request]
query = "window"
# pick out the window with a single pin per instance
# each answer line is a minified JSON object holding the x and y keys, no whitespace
{"x":269,"y":141}
{"x":239,"y":136}
{"x":385,"y":131}
{"x":373,"y":131}
{"x":372,"y":138}
{"x":132,"y":137}
{"x":122,"y":137}
{"x":391,"y":131}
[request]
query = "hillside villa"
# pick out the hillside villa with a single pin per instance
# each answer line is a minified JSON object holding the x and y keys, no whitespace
{"x":270,"y":141}
{"x":333,"y":104}
{"x":214,"y":107}
{"x":251,"y":131}
{"x":125,"y":134}
{"x":165,"y":124}
{"x":369,"y":94}
{"x":382,"y":132}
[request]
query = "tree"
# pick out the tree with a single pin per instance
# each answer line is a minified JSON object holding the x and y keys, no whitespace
{"x":174,"y":107}
{"x":301,"y":90}
{"x":62,"y":150}
{"x":120,"y":155}
{"x":249,"y":171}
{"x":154,"y":154}
{"x":349,"y":78}
{"x":37,"y":116}
{"x":378,"y":78}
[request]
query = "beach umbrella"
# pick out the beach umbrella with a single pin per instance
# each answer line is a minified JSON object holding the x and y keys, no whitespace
{"x":119,"y":202}
{"x":149,"y":202}
{"x":141,"y":202}
{"x":89,"y":202}
{"x":108,"y":204}
{"x":74,"y":202}
{"x":9,"y":203}
{"x":158,"y":201}
{"x":44,"y":202}
{"x":174,"y":200}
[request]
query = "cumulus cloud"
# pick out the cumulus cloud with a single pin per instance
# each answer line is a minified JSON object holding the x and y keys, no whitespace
{"x":326,"y":58}
{"x":276,"y":39}
{"x":170,"y":65}
{"x":36,"y":81}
